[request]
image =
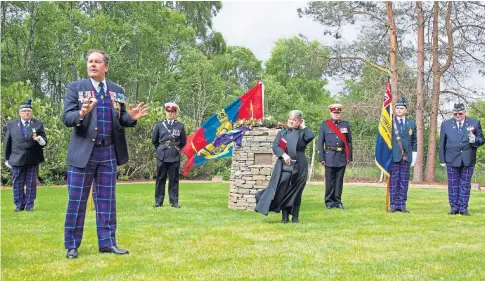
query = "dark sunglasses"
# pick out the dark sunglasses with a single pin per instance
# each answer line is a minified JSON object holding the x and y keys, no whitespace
{"x":458,"y":113}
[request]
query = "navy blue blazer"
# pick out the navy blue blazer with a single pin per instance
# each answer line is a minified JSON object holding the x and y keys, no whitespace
{"x":456,"y":148}
{"x":408,"y":140}
{"x":84,"y":131}
{"x":24,"y":152}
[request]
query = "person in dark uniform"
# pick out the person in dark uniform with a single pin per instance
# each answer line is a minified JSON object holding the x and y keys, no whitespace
{"x":460,"y":138}
{"x":334,"y":152}
{"x":290,"y":172}
{"x":404,"y":153}
{"x":169,"y":138}
{"x":96,"y":110}
{"x":25,"y":140}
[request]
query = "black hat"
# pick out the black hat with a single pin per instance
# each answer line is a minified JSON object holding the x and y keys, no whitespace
{"x":458,"y":107}
{"x":401,"y":103}
{"x":27,"y":104}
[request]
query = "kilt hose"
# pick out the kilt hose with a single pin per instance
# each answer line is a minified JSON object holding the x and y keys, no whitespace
{"x":101,"y":168}
{"x":459,"y":185}
{"x":398,"y":185}
{"x":24,"y":176}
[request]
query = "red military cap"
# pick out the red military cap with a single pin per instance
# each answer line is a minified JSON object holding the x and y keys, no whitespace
{"x":171,"y":106}
{"x":336,"y":107}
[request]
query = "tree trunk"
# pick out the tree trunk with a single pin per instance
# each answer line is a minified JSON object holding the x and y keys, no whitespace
{"x":437,"y":73}
{"x":392,"y":51}
{"x":29,"y":55}
{"x":419,"y":167}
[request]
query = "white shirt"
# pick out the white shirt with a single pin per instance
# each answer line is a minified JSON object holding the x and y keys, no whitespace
{"x":96,"y":84}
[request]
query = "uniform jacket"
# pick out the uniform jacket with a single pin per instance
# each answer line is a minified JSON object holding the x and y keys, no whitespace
{"x":327,"y":138}
{"x":408,"y":140}
{"x":23,"y":152}
{"x":456,"y":148}
{"x":175,"y":134}
{"x":84,"y":131}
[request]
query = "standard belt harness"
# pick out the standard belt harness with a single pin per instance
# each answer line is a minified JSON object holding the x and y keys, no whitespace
{"x":335,"y":148}
{"x":170,"y":143}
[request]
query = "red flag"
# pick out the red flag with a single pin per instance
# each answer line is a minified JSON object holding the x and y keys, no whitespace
{"x":195,"y":142}
{"x":252,"y":106}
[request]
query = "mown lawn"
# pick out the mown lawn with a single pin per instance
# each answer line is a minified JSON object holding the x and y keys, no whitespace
{"x":204,"y":240}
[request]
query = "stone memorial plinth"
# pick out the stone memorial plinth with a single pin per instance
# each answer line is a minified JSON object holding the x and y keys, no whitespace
{"x":251,"y":168}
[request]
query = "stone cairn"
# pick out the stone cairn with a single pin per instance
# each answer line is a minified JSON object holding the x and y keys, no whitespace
{"x":251,"y":168}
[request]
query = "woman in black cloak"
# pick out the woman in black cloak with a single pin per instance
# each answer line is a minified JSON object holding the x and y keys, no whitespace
{"x":290,"y":172}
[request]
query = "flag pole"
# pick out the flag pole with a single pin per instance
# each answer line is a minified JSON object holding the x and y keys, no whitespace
{"x":387,"y":193}
{"x":91,"y":197}
{"x":262,"y":89}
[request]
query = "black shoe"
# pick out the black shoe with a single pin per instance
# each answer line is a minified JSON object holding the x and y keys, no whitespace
{"x":330,"y":206}
{"x":72,"y":254}
{"x":286,"y":216}
{"x":393,"y":210}
{"x":404,"y":210}
{"x":29,"y":209}
{"x":175,"y":205}
{"x":340,"y":206}
{"x":295,"y":219}
{"x":18,"y":209}
{"x":114,"y":250}
{"x":453,"y":212}
{"x":157,"y":205}
{"x":465,"y":213}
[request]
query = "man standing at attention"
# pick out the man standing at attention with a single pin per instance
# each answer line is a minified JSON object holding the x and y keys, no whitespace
{"x":335,"y":152}
{"x":404,"y":153}
{"x":95,"y":109}
{"x":459,"y":139}
{"x":25,"y":140}
{"x":169,"y":138}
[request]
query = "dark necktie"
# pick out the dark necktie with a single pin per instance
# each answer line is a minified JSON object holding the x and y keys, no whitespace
{"x":401,"y":125}
{"x":101,"y":90}
{"x":459,"y":128}
{"x":25,"y":126}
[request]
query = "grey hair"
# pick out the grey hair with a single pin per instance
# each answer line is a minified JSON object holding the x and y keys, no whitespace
{"x":105,"y":55}
{"x":296,"y":113}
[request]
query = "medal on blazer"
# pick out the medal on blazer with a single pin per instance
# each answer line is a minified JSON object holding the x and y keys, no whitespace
{"x":34,"y":133}
{"x":410,"y":131}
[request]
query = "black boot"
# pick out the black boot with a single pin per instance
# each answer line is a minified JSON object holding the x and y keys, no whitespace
{"x":296,"y":212}
{"x":286,"y":216}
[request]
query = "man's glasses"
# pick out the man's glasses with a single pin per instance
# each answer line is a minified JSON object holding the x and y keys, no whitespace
{"x":458,"y":114}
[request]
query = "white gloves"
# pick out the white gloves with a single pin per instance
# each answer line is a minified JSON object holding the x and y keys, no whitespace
{"x":415,"y":155}
{"x":443,"y":164}
{"x":471,"y":138}
{"x":40,"y":140}
{"x":8,"y":165}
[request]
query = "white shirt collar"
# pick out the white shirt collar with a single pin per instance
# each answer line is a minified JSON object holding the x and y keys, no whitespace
{"x":96,"y":84}
{"x":24,"y":121}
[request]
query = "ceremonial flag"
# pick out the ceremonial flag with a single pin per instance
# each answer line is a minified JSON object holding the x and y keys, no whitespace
{"x":200,"y":145}
{"x":384,"y":135}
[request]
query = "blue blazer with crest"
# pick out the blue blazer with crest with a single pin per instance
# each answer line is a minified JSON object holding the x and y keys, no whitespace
{"x":455,"y":148}
{"x":84,"y":131}
{"x":408,"y":140}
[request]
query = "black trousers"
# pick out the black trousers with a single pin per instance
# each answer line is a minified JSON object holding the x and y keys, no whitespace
{"x":334,"y":181}
{"x":170,"y":169}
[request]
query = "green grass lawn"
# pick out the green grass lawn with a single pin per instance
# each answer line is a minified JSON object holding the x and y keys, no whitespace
{"x":204,"y":240}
